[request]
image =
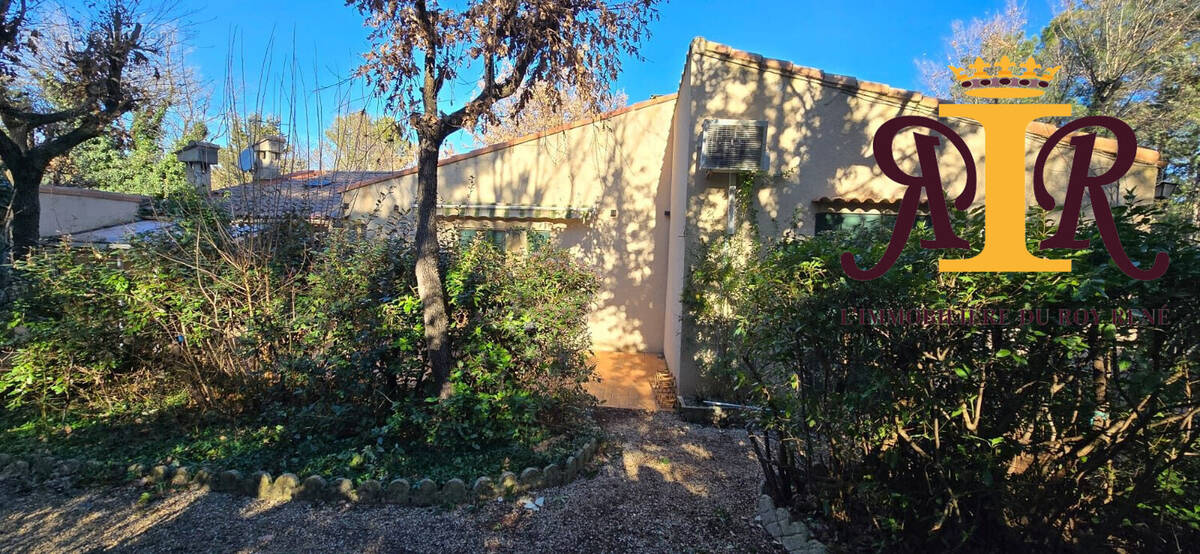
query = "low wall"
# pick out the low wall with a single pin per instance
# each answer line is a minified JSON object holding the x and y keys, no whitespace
{"x":31,"y":469}
{"x":69,"y":210}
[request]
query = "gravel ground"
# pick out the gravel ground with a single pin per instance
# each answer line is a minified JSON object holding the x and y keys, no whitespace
{"x":661,"y":486}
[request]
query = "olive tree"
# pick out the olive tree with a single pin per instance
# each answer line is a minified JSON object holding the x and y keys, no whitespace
{"x":507,"y":47}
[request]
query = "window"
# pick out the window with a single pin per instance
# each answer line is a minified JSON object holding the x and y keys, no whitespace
{"x":851,"y":221}
{"x":507,"y":240}
{"x":846,"y":221}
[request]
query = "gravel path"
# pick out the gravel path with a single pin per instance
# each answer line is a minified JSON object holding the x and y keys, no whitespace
{"x":662,"y":486}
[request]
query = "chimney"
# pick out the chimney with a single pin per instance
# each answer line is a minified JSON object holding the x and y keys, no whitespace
{"x":198,"y":157}
{"x":268,"y":156}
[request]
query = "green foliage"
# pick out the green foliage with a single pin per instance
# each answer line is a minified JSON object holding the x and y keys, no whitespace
{"x":273,"y":441}
{"x":975,"y":436}
{"x":522,"y":344}
{"x":323,"y":329}
{"x":136,"y":162}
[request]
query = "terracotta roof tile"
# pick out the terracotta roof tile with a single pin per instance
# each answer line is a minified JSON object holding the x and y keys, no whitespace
{"x":311,"y":193}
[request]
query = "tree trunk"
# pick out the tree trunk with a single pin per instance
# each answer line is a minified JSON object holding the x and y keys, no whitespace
{"x":1097,"y":355}
{"x":26,"y":209}
{"x":5,"y":241}
{"x":429,"y":281}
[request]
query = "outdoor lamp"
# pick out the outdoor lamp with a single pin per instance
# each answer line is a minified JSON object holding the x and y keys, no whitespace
{"x":1163,"y":190}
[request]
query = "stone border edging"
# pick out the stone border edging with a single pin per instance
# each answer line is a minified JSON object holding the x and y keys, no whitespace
{"x":288,"y":486}
{"x":794,"y":534}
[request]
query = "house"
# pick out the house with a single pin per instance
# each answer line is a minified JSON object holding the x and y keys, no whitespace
{"x":629,"y":193}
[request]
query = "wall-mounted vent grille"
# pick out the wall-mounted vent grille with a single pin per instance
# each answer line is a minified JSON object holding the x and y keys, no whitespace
{"x":733,"y":145}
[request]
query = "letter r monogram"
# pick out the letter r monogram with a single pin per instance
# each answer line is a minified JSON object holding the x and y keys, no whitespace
{"x":1004,"y":248}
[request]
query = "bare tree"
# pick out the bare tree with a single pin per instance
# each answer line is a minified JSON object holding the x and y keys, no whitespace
{"x":362,"y":142}
{"x":421,"y":46}
{"x":544,"y":110}
{"x":64,"y":78}
{"x":996,"y":35}
{"x":1139,"y":61}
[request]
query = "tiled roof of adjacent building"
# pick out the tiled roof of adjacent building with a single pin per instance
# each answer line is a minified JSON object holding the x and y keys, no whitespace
{"x":311,"y":194}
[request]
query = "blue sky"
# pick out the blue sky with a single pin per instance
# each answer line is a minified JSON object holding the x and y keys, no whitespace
{"x":871,"y":40}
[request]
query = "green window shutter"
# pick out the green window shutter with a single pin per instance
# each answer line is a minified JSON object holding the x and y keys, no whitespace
{"x":466,"y":237}
{"x":499,"y":239}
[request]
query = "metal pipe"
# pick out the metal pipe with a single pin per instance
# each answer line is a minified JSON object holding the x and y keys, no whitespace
{"x":728,"y":405}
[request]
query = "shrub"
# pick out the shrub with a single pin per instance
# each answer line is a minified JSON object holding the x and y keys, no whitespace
{"x":283,"y":318}
{"x":967,"y":436}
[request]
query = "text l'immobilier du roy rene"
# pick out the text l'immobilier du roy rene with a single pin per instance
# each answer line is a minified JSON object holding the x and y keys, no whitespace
{"x":1003,"y":316}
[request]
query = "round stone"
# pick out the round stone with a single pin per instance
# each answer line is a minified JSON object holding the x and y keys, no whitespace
{"x":509,"y":482}
{"x":454,"y":491}
{"x":483,"y":489}
{"x":312,"y":489}
{"x":229,"y":481}
{"x":552,"y":475}
{"x":19,"y":468}
{"x":159,"y":474}
{"x":398,"y":491}
{"x":370,"y":491}
{"x":203,"y":477}
{"x":424,"y":493}
{"x":258,"y":485}
{"x":571,"y":469}
{"x":342,"y":489}
{"x":530,"y":478}
{"x":136,"y":470}
{"x":182,"y":476}
{"x":284,"y":487}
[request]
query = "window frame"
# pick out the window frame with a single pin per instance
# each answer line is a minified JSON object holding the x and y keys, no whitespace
{"x":516,"y":237}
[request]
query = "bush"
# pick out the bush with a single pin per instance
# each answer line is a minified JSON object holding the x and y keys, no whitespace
{"x":967,"y":436}
{"x":319,"y":327}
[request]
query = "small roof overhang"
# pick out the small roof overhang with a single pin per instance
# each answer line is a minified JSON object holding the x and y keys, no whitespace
{"x":865,"y":202}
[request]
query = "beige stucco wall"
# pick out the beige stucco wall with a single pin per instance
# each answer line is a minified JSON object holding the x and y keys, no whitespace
{"x":615,"y":167}
{"x":70,"y":210}
{"x":819,"y":140}
{"x":681,"y":158}
{"x":632,"y":168}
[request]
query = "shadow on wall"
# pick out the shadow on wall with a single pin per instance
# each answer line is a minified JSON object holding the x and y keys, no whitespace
{"x":819,"y":143}
{"x":614,"y":166}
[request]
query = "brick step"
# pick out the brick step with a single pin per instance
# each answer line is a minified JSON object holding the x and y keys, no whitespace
{"x":663,"y":387}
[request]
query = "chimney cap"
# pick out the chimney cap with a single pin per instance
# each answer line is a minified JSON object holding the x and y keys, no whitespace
{"x":198,"y":151}
{"x":270,"y":143}
{"x":197,"y":144}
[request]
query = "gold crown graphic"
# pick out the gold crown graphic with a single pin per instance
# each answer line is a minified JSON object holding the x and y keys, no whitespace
{"x":1004,"y":84}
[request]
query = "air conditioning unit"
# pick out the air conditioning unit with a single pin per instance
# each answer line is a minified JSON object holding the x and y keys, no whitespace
{"x":734,"y":145}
